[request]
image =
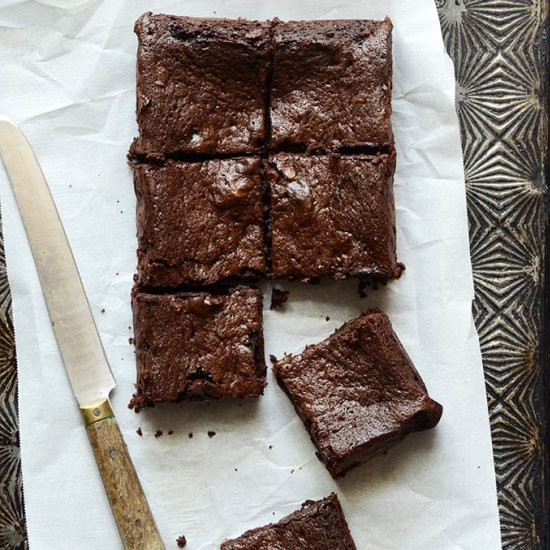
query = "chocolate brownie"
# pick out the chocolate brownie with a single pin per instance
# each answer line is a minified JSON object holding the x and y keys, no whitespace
{"x":318,"y":525}
{"x":357,"y":392}
{"x":332,"y":84}
{"x":332,"y":216}
{"x":194,"y":345}
{"x":201,"y":85}
{"x":199,"y":222}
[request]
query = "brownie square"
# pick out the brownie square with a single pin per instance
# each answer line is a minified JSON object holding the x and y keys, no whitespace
{"x":318,"y":525}
{"x":332,"y":84}
{"x":201,"y":85}
{"x":332,"y":216}
{"x":357,"y":392}
{"x":199,"y":222}
{"x":195,"y":345}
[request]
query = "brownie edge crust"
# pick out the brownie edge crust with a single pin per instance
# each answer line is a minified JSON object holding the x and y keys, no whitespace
{"x":357,"y":392}
{"x":318,"y":525}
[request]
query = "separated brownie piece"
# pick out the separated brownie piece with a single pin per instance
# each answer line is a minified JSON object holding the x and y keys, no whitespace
{"x":318,"y":525}
{"x":199,"y":223}
{"x":200,"y":85}
{"x":332,"y":215}
{"x":195,"y":345}
{"x":357,"y":392}
{"x":332,"y":84}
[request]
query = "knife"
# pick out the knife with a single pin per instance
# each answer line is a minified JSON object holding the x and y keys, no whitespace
{"x":78,"y":340}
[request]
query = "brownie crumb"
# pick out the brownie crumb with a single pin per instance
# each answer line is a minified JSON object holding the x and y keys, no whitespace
{"x":278,"y":298}
{"x":270,"y":447}
{"x":102,"y":310}
{"x":170,"y":432}
{"x":139,"y":432}
{"x":158,"y":433}
{"x":190,"y":435}
{"x":211,"y":434}
{"x":365,"y":284}
{"x":272,"y":358}
{"x":236,"y":470}
{"x":327,"y":318}
{"x":131,"y":341}
{"x":362,"y":290}
{"x":181,"y":541}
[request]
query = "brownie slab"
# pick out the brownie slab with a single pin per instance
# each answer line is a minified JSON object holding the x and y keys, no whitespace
{"x":318,"y":525}
{"x":332,"y":216}
{"x":200,"y":85}
{"x":332,"y":84}
{"x":199,"y":222}
{"x":195,"y":345}
{"x":357,"y":392}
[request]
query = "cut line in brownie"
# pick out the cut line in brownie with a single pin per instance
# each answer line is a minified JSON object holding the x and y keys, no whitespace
{"x":318,"y":525}
{"x":332,"y":216}
{"x":331,"y":85}
{"x":201,"y":85}
{"x":199,"y":223}
{"x":357,"y":392}
{"x":198,"y":345}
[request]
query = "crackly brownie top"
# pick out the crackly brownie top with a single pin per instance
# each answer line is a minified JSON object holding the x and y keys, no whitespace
{"x":193,"y":345}
{"x":200,"y":222}
{"x":318,"y":525}
{"x":357,"y":387}
{"x":332,"y":215}
{"x":332,"y":83}
{"x":200,"y":84}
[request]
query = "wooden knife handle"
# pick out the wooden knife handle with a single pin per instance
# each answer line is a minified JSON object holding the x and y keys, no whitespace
{"x":132,"y":514}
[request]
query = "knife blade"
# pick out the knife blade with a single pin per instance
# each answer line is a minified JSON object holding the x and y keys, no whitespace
{"x":68,"y":307}
{"x":77,"y":337}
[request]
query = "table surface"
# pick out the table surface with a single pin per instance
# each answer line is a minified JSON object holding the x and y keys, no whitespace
{"x":500,"y":51}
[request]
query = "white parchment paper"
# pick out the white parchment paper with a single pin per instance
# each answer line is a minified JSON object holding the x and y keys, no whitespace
{"x":67,"y":77}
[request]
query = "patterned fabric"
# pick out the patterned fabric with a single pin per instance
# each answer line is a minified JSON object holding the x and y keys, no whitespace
{"x":12,"y":521}
{"x":500,"y":50}
{"x":500,"y":54}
